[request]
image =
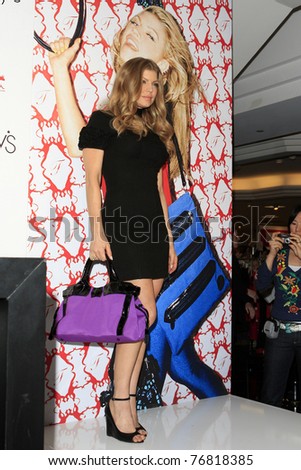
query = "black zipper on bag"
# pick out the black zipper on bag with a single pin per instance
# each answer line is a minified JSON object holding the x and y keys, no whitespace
{"x":190,"y":294}
{"x":185,"y":259}
{"x":181,"y":223}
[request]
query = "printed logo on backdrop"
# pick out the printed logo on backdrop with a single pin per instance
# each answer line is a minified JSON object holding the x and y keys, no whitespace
{"x":7,"y":140}
{"x":7,"y":143}
{"x":2,"y":83}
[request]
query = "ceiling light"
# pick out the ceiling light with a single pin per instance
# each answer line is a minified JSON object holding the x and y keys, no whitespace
{"x":275,"y":207}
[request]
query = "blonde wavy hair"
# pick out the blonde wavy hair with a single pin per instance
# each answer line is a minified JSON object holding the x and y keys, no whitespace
{"x":123,"y":103}
{"x":181,"y":81}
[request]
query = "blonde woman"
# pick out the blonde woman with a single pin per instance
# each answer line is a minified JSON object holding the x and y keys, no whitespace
{"x":154,"y":34}
{"x":128,"y":144}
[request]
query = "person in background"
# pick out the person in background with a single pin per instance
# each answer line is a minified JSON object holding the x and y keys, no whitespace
{"x":282,"y":269}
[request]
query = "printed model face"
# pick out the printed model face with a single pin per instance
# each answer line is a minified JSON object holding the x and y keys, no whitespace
{"x":295,"y":226}
{"x":145,"y":37}
{"x":149,"y":89}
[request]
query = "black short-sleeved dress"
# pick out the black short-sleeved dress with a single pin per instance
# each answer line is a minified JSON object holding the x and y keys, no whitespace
{"x":132,"y":213}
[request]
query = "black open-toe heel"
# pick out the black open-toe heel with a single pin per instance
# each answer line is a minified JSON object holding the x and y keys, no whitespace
{"x":139,"y":427}
{"x":112,"y":429}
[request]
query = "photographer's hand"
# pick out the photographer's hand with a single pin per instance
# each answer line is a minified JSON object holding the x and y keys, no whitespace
{"x":295,"y":245}
{"x":275,"y":245}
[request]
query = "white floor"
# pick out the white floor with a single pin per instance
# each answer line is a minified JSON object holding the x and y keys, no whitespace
{"x":227,"y":422}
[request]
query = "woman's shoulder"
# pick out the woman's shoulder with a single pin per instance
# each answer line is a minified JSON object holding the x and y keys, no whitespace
{"x":98,"y":132}
{"x":101,"y":118}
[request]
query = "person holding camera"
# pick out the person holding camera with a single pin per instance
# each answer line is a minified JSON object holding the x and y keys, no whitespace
{"x":282,"y":269}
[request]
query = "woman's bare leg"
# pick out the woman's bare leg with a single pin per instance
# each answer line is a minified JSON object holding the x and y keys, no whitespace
{"x":148,"y":293}
{"x":128,"y":363}
{"x":125,"y":359}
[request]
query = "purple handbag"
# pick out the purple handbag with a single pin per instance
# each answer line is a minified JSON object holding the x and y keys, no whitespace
{"x":109,"y":314}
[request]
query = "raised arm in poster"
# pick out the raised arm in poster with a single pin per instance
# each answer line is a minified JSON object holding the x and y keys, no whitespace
{"x":153,"y":34}
{"x":83,"y":74}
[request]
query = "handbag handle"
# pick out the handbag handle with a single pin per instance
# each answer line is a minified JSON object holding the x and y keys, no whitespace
{"x":176,"y":143}
{"x":180,"y":160}
{"x":88,"y":268}
{"x":111,"y":271}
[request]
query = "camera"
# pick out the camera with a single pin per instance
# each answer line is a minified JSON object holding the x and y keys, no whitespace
{"x":285,"y":238}
{"x":271,"y":328}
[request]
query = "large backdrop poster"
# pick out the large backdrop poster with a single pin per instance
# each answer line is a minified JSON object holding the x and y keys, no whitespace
{"x":198,"y":364}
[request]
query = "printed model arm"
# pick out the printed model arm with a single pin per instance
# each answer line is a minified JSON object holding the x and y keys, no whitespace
{"x":70,"y":116}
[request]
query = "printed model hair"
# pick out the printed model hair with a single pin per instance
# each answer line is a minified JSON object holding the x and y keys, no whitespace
{"x":181,"y":82}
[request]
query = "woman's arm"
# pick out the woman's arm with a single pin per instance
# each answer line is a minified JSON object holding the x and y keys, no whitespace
{"x":173,"y":259}
{"x":99,"y":247}
{"x":70,"y":115}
